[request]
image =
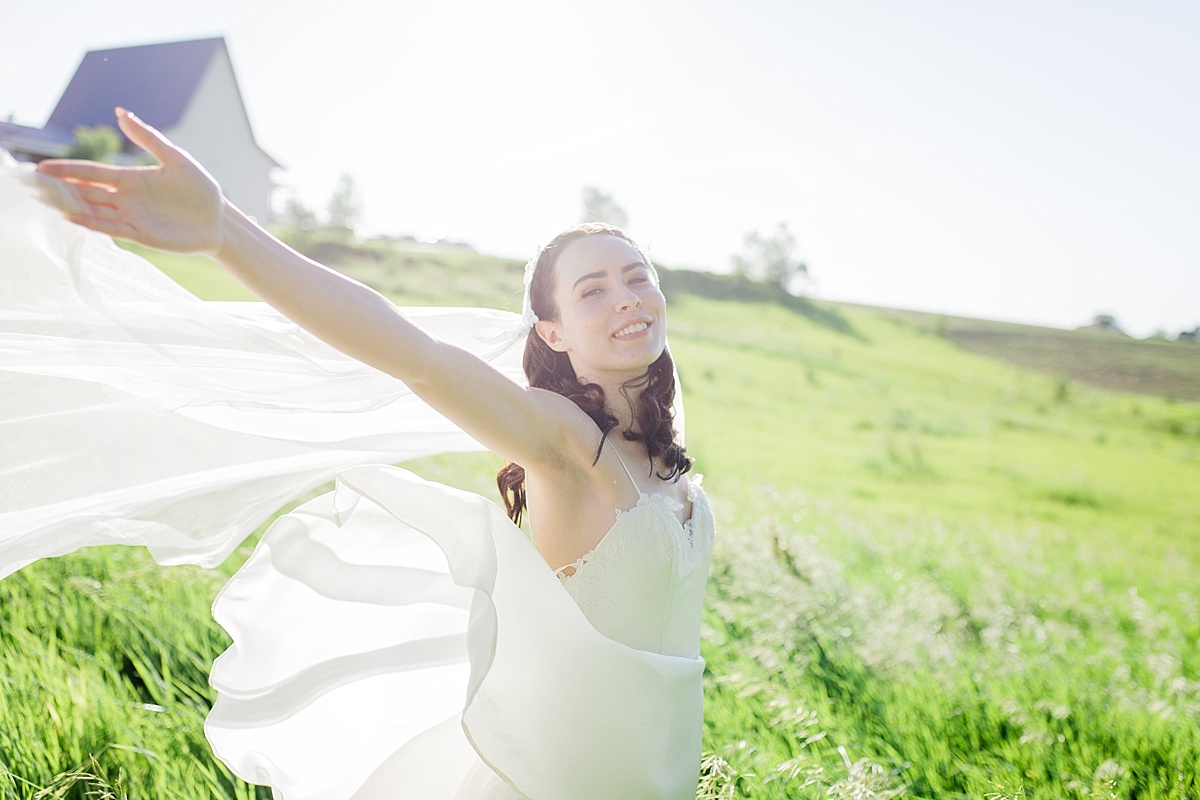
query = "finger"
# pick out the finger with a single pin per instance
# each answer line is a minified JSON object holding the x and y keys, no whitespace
{"x":113,"y":227}
{"x":80,"y":171}
{"x":97,"y":196}
{"x":57,"y":194}
{"x":145,"y":137}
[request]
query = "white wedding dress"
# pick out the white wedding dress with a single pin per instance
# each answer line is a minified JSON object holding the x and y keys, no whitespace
{"x":393,"y":638}
{"x":398,"y":638}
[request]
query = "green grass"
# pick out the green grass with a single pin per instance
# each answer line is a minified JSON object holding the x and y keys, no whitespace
{"x":938,"y":574}
{"x":1091,"y":356}
{"x":203,"y":277}
{"x":937,"y":562}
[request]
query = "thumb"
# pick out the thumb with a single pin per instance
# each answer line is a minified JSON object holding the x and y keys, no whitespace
{"x":146,"y":137}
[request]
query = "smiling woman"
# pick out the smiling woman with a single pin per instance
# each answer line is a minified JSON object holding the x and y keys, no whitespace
{"x":440,"y":648}
{"x":600,"y":333}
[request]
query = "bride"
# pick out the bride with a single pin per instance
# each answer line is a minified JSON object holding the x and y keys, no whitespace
{"x":397,"y":638}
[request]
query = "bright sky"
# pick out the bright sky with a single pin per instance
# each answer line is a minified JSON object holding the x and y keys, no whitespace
{"x":1012,"y":159}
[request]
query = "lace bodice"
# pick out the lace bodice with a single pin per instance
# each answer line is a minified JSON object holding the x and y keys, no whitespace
{"x":643,"y":583}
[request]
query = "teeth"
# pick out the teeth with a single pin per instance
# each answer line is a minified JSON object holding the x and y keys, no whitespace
{"x":634,"y":328}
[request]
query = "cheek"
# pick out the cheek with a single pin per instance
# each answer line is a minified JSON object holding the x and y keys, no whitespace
{"x":592,"y":316}
{"x":583,"y":326}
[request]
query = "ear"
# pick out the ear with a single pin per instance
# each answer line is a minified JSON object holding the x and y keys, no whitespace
{"x":549,"y":333}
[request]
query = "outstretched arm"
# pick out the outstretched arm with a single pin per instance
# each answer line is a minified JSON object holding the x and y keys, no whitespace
{"x":176,"y":206}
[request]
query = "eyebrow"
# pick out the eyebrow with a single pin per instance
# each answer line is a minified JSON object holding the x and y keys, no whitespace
{"x":591,"y":275}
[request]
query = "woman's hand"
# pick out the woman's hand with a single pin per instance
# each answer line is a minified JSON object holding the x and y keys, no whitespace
{"x":174,"y":206}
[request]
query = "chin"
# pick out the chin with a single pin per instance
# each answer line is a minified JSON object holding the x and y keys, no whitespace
{"x":655,"y":354}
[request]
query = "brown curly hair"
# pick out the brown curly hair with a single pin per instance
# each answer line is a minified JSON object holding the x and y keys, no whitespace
{"x":548,"y":369}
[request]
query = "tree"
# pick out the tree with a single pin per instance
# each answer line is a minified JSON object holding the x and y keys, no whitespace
{"x":1106,"y":322}
{"x":95,"y":143}
{"x":345,"y":205}
{"x":772,"y":259}
{"x":599,"y":206}
{"x":297,"y":216}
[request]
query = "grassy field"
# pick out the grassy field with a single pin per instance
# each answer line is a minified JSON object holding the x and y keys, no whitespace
{"x":1096,"y":357}
{"x":938,"y":573}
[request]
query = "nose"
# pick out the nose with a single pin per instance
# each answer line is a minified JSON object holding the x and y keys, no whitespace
{"x":629,"y":300}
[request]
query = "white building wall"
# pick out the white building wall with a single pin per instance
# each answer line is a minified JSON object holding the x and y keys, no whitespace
{"x":215,"y":130}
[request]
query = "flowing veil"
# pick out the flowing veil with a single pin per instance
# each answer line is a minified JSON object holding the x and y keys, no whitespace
{"x":134,"y":413}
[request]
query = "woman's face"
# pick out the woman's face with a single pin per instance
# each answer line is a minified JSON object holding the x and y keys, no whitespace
{"x":611,"y":314}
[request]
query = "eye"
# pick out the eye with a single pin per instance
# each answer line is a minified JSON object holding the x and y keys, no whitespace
{"x":592,"y":292}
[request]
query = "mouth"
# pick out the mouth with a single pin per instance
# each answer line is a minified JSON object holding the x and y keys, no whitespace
{"x":631,"y":330}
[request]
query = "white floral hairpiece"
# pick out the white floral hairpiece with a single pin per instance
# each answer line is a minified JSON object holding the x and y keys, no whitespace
{"x":528,"y":317}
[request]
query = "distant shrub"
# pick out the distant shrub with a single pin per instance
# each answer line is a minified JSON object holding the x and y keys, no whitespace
{"x":95,"y":143}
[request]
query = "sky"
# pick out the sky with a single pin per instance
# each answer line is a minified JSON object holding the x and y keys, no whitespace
{"x":1024,"y":160}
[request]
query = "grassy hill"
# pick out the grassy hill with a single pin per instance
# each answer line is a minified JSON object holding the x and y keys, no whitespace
{"x":1100,"y":358}
{"x":939,"y":573}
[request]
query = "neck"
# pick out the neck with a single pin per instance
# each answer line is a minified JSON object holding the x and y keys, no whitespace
{"x":617,"y":405}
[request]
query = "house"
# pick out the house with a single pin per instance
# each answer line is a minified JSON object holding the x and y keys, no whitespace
{"x":185,"y":89}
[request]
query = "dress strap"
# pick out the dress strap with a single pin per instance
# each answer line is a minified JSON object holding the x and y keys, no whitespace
{"x":617,"y":452}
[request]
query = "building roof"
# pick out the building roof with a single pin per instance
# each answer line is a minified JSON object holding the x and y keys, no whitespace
{"x":156,"y":80}
{"x":23,"y":141}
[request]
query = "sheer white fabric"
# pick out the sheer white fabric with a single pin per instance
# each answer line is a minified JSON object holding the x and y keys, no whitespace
{"x":392,"y":638}
{"x":134,"y":413}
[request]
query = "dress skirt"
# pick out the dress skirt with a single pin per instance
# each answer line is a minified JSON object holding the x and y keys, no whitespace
{"x":398,"y":638}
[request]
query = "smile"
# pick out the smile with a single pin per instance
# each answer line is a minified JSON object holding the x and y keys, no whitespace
{"x":629,"y":330}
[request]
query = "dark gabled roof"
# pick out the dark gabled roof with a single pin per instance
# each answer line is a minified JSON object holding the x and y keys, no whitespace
{"x":156,"y":81}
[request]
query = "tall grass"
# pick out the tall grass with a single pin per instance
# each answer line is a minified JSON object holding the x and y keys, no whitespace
{"x":105,"y":663}
{"x":941,"y":669}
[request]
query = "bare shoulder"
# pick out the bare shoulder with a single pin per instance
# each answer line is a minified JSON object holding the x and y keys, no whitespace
{"x":571,"y":440}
